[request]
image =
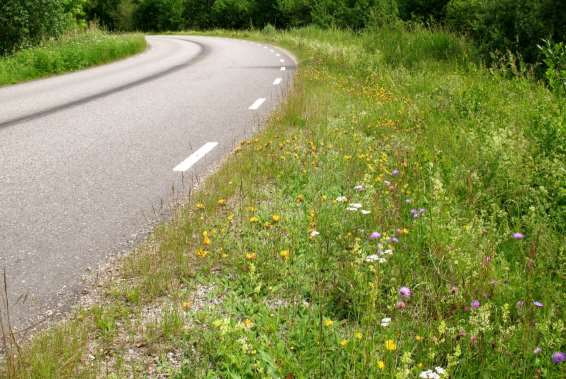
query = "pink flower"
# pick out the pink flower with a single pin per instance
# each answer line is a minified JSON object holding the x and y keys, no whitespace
{"x":475,"y":304}
{"x":405,"y":292}
{"x":374,"y":236}
{"x":400,"y":305}
{"x":518,"y":236}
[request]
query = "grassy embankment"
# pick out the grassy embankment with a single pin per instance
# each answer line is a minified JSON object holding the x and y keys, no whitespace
{"x":274,"y":268}
{"x":74,"y":51}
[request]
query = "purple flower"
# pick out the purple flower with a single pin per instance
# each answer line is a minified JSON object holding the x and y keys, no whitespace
{"x":475,"y":304}
{"x":558,"y":357}
{"x":393,"y":239}
{"x":395,"y":172}
{"x":538,"y":304}
{"x":518,"y":236}
{"x":374,"y":236}
{"x":405,"y":292}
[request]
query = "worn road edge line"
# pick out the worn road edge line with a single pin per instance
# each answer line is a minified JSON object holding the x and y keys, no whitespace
{"x":195,"y":157}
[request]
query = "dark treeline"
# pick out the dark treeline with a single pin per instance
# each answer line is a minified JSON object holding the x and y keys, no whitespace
{"x":498,"y":27}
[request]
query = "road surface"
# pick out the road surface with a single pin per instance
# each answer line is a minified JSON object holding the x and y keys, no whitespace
{"x":86,"y":158}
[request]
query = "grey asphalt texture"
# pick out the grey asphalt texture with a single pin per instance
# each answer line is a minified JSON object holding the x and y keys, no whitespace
{"x":87,"y":158}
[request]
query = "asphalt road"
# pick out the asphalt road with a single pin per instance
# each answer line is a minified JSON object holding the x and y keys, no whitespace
{"x":86,"y":158}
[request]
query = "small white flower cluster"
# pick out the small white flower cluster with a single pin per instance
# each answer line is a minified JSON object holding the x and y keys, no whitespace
{"x":380,"y":256}
{"x":385,"y":321}
{"x":341,"y":199}
{"x":375,"y":258}
{"x":430,"y":374}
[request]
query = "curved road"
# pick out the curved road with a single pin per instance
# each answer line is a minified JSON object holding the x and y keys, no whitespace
{"x":86,"y":158}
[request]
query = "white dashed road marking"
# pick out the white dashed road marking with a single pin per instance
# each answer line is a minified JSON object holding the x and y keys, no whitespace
{"x":257,"y":104}
{"x":195,"y":157}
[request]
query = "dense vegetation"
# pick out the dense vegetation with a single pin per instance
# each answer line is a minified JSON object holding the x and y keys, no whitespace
{"x":403,"y":215}
{"x":525,"y":36}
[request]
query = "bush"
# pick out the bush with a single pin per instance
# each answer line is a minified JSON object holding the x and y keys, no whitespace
{"x":507,"y":25}
{"x":159,"y":15}
{"x":27,"y":22}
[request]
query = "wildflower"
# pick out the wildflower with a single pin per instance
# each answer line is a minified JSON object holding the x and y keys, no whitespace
{"x":300,"y":198}
{"x":400,"y":305}
{"x":385,"y":322}
{"x":375,"y":258}
{"x":390,"y":345}
{"x":429,"y":374}
{"x":474,"y":339}
{"x":537,"y":350}
{"x":374,"y":236}
{"x":359,"y":188}
{"x":365,"y":212}
{"x":347,"y":157}
{"x":254,"y":219}
{"x":341,"y":199}
{"x":248,"y":324}
{"x":352,"y":209}
{"x":393,"y":240}
{"x":538,"y":304}
{"x":395,"y":172}
{"x":558,"y":357}
{"x":201,"y":253}
{"x":518,"y":236}
{"x":381,"y":365}
{"x":355,"y":205}
{"x":200,"y":206}
{"x":475,"y":304}
{"x":284,"y":254}
{"x":276,"y":218}
{"x":344,"y":342}
{"x":439,"y":370}
{"x":418,"y":338}
{"x":405,"y":292}
{"x":358,"y":335}
{"x":205,"y":238}
{"x":314,"y":234}
{"x":416,"y":213}
{"x":187,"y":305}
{"x":251,"y":256}
{"x":221,"y":202}
{"x":328,"y":323}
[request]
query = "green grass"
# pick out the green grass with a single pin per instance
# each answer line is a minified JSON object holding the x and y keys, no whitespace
{"x":247,"y":290}
{"x":74,"y":51}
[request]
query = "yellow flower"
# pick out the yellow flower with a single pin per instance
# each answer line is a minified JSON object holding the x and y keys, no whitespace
{"x":284,"y":254}
{"x":300,"y":198}
{"x":328,"y":323}
{"x":254,"y":219}
{"x":347,"y":157}
{"x":251,"y":256}
{"x":344,"y":343}
{"x":205,"y":238}
{"x":248,"y":323}
{"x":418,"y":338}
{"x":201,"y":253}
{"x":381,"y":365}
{"x":358,"y":335}
{"x":187,"y":305}
{"x":251,"y":209}
{"x":390,"y":345}
{"x":276,"y":218}
{"x":221,"y":201}
{"x":230,"y":217}
{"x":200,"y":206}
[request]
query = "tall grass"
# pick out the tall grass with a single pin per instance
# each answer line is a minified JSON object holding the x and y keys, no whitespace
{"x":369,"y":231}
{"x":73,"y":51}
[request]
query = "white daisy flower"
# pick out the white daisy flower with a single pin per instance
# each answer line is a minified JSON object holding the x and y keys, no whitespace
{"x":341,"y":199}
{"x":359,"y":187}
{"x":355,"y":205}
{"x":385,"y":321}
{"x":364,"y":212}
{"x":314,"y":233}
